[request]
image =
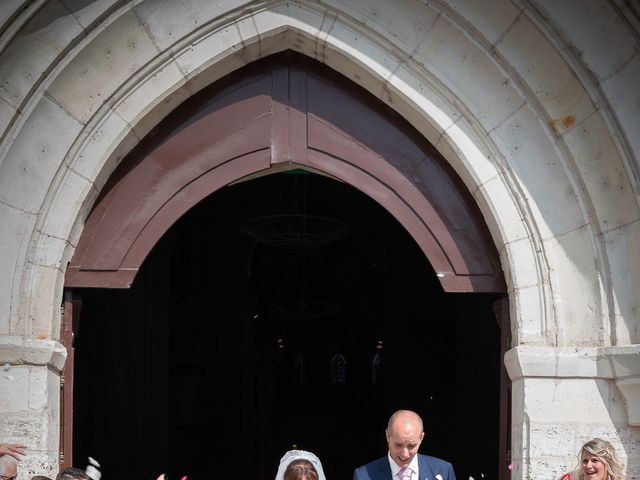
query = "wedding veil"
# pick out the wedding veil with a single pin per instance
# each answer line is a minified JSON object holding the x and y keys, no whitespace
{"x":292,"y":455}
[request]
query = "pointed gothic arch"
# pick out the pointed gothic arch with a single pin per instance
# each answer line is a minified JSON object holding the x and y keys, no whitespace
{"x":279,"y":112}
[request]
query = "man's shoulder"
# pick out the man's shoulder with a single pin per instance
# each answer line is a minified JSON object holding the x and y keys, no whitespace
{"x":375,"y":470}
{"x":376,"y":462}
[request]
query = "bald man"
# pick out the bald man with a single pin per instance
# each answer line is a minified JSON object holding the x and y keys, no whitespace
{"x":403,"y":462}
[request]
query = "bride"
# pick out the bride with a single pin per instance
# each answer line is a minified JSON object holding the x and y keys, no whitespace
{"x":300,"y":465}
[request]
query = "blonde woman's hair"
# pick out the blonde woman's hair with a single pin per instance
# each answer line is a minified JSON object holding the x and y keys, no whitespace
{"x":607,"y":455}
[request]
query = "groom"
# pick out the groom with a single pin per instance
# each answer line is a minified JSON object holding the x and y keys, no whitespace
{"x":403,"y":462}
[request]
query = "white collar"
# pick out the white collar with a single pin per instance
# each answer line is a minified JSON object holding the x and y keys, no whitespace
{"x":395,"y":468}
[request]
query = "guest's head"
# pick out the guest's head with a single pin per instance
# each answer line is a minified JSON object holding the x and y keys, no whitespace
{"x":300,"y":465}
{"x":404,"y":434}
{"x":8,"y":467}
{"x":598,"y":461}
{"x":40,"y":477}
{"x":301,"y":470}
{"x":71,"y":473}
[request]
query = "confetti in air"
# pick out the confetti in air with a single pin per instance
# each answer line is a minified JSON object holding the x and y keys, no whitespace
{"x":92,"y":469}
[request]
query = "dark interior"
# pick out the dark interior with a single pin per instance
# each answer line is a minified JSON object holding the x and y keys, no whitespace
{"x":229,"y":350}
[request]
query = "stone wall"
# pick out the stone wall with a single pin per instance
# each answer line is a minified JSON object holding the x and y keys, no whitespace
{"x":533,"y":102}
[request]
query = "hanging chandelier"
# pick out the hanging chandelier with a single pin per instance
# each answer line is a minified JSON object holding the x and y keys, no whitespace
{"x":295,"y":231}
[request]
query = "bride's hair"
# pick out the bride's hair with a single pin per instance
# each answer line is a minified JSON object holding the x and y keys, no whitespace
{"x":300,"y":470}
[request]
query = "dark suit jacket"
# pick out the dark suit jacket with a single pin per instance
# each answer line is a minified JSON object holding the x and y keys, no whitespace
{"x":429,"y":468}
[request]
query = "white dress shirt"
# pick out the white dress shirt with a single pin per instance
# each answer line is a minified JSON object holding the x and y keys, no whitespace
{"x":415,"y":475}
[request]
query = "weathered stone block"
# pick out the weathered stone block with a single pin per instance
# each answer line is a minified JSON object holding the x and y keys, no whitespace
{"x":603,"y":172}
{"x":86,"y":13}
{"x":582,"y":311}
{"x":36,"y":46}
{"x":14,"y":389}
{"x":43,"y":306}
{"x":101,"y":152}
{"x":14,"y":235}
{"x":507,"y":222}
{"x":490,"y":17}
{"x":623,"y":251}
{"x":199,"y":55}
{"x":67,"y":197}
{"x":153,"y":98}
{"x":624,"y":96}
{"x":102,"y":67}
{"x":38,"y":389}
{"x":474,"y":160}
{"x":529,"y":319}
{"x":169,"y":21}
{"x":7,"y":113}
{"x":559,"y":401}
{"x":539,"y":169}
{"x":522,"y":274}
{"x":402,"y":23}
{"x":546,"y":73}
{"x":35,"y":156}
{"x":470,"y":72}
{"x":596,"y":32}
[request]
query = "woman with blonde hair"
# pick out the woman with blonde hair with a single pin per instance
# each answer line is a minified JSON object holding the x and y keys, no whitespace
{"x":597,"y":460}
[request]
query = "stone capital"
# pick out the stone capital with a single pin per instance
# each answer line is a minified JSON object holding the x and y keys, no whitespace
{"x":620,"y":364}
{"x":16,"y":350}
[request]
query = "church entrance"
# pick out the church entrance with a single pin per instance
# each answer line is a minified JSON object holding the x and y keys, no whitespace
{"x":282,"y":263}
{"x":289,"y":311}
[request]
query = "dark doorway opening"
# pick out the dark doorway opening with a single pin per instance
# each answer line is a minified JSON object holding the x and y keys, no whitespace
{"x":231,"y":348}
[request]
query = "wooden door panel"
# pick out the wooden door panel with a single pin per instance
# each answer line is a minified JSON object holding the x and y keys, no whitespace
{"x":299,"y":113}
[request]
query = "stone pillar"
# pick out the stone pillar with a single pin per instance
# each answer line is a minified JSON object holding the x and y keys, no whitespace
{"x":30,"y":400}
{"x":562,"y":397}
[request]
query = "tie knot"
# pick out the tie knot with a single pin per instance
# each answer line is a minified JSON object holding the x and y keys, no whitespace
{"x":405,"y":473}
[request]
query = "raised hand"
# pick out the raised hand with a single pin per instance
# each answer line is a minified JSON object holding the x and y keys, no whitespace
{"x":16,"y":450}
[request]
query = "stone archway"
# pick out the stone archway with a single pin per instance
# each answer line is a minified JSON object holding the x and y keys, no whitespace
{"x":276,"y":113}
{"x":282,"y":113}
{"x":530,"y":111}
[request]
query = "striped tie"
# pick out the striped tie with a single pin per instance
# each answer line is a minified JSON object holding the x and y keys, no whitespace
{"x":405,"y":474}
